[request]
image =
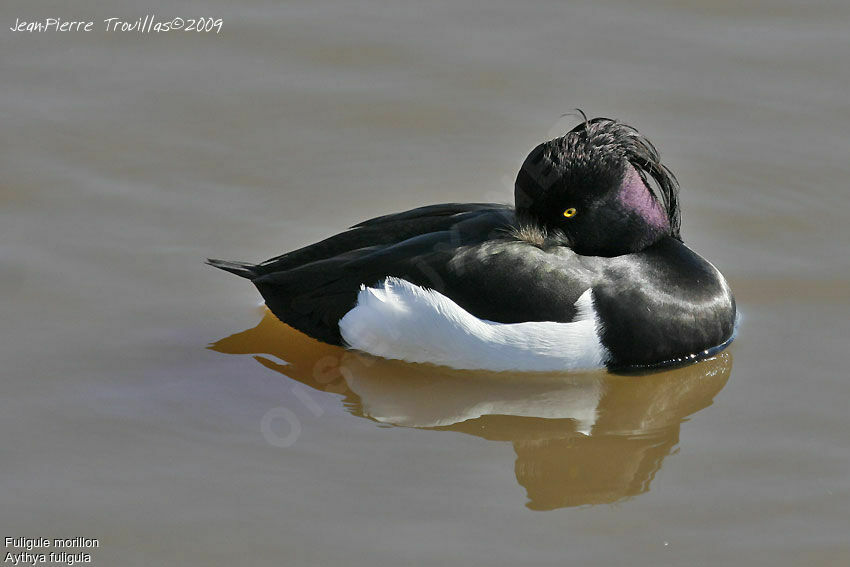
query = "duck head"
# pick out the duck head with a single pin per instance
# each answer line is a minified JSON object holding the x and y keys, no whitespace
{"x":599,"y":189}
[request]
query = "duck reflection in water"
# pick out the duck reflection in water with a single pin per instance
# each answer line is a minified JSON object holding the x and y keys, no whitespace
{"x":580,"y":438}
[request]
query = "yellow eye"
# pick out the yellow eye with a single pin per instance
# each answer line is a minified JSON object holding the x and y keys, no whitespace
{"x":571,"y":212}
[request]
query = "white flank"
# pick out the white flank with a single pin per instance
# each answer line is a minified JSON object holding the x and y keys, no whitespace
{"x":403,"y":321}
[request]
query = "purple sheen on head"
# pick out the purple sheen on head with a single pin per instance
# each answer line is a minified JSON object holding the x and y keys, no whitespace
{"x":635,"y":196}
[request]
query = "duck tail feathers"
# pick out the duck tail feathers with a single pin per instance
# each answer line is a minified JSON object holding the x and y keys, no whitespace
{"x":241,"y":269}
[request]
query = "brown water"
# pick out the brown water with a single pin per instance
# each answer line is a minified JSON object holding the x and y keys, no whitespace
{"x":127,"y":159}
